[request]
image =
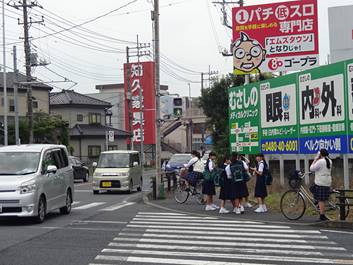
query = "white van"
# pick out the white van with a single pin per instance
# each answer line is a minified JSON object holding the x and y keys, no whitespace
{"x":34,"y":180}
{"x":117,"y":170}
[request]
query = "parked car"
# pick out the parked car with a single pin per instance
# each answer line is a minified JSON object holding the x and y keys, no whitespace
{"x":176,"y":162}
{"x":117,"y":170}
{"x":81,"y":172}
{"x":34,"y":180}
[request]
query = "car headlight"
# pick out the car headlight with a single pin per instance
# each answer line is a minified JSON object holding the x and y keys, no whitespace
{"x":28,"y":187}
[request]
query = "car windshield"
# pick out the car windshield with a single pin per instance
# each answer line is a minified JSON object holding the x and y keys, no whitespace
{"x":114,"y":160}
{"x":18,"y":163}
{"x":182,"y":159}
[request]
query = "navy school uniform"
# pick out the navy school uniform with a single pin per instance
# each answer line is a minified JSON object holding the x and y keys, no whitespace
{"x":240,"y":188}
{"x":208,"y":186}
{"x":227,"y":189}
{"x":260,"y":187}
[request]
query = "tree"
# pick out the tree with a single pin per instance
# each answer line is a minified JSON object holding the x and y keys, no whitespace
{"x":47,"y":128}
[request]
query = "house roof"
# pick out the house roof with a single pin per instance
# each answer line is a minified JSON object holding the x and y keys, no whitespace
{"x":70,"y":97}
{"x":21,"y":78}
{"x":95,"y":130}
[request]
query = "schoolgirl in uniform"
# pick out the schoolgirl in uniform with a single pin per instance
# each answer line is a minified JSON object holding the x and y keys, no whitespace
{"x":208,"y":186}
{"x":227,"y":191}
{"x":260,"y":187}
{"x":245,"y":201}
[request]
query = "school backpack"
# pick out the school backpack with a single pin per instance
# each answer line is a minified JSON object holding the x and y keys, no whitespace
{"x":237,"y":170}
{"x":268,"y":175}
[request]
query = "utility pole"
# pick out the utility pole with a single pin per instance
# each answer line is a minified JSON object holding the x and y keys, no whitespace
{"x":27,"y":49}
{"x":141,"y":109}
{"x":129,"y":96}
{"x":4,"y":75}
{"x":15,"y":91}
{"x":157,"y":83}
{"x":223,"y":5}
{"x":210,"y":75}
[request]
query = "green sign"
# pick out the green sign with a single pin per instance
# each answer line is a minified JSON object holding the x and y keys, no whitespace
{"x":244,"y":123}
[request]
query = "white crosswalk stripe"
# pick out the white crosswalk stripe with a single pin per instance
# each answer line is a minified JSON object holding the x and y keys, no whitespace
{"x":117,"y":206}
{"x":89,"y":205}
{"x":172,"y":238}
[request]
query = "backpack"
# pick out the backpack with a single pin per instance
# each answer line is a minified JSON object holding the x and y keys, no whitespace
{"x":267,"y":175}
{"x":237,"y":170}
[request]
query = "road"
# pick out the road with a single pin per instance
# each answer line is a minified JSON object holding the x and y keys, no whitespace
{"x":119,"y":229}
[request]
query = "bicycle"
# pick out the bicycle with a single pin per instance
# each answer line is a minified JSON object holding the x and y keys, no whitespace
{"x":182,"y":192}
{"x":294,"y":201}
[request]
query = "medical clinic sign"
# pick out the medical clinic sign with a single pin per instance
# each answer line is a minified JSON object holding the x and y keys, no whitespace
{"x":275,"y":37}
{"x":140,"y":76}
{"x":295,"y":114}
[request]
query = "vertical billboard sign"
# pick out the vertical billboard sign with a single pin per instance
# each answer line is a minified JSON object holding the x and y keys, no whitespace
{"x":349,"y":80}
{"x":321,"y":95}
{"x":275,"y":37}
{"x":140,"y":76}
{"x":244,"y":123}
{"x":279,"y":133}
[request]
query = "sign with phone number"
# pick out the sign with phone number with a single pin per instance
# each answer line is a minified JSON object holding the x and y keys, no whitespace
{"x":284,"y":146}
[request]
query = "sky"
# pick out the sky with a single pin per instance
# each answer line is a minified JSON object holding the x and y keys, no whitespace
{"x":191,"y":37}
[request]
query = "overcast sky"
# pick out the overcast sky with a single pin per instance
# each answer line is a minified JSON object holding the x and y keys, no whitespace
{"x":191,"y":36}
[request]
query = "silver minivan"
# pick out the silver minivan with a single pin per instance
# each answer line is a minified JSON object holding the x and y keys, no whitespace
{"x":34,"y":180}
{"x":117,"y":170}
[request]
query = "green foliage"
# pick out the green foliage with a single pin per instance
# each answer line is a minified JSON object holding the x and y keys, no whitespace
{"x":46,"y":129}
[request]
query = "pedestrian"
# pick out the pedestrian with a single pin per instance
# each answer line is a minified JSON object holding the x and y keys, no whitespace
{"x":246,"y":203}
{"x":227,"y":192}
{"x":236,"y":171}
{"x":321,"y":188}
{"x":195,"y":169}
{"x":260,"y":186}
{"x":208,"y":185}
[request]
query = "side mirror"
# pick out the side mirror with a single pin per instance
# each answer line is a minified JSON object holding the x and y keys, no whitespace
{"x":51,"y":169}
{"x":94,"y":164}
{"x":135,"y":164}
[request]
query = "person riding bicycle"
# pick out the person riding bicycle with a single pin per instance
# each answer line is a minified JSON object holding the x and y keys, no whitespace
{"x":195,"y":169}
{"x":321,"y":188}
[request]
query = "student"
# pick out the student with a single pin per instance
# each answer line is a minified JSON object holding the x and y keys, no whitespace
{"x":260,"y":187}
{"x":208,"y":186}
{"x":227,"y":191}
{"x":195,"y":169}
{"x":246,"y":202}
{"x":236,"y":171}
{"x":322,"y":166}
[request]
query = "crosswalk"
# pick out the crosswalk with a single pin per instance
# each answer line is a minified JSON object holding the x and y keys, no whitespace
{"x":78,"y":206}
{"x":173,"y":238}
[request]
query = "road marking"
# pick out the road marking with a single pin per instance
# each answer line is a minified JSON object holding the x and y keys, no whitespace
{"x":117,"y":206}
{"x":199,"y":220}
{"x":225,"y":238}
{"x":267,"y":234}
{"x":83,"y":190}
{"x":223,"y":256}
{"x":169,"y":261}
{"x":75,"y":203}
{"x":166,"y":213}
{"x":229,"y":249}
{"x":178,"y":217}
{"x":213,"y":243}
{"x":97,"y":222}
{"x":338,"y":232}
{"x":90,"y":205}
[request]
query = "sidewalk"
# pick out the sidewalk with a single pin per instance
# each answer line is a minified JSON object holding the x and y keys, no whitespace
{"x":192,"y":207}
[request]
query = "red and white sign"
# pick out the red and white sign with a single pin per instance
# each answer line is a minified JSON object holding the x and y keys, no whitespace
{"x":275,"y":37}
{"x":141,"y":76}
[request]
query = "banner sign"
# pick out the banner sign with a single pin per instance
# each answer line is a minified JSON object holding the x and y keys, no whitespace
{"x":275,"y":37}
{"x":140,"y":78}
{"x":297,"y":113}
{"x":244,"y":120}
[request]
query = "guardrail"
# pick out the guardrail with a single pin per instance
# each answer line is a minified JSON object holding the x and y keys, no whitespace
{"x":344,"y":202}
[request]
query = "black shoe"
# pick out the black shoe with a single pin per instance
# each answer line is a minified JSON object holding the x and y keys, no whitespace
{"x":324,"y":218}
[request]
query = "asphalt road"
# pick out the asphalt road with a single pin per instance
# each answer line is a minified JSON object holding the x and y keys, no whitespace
{"x":120,"y":229}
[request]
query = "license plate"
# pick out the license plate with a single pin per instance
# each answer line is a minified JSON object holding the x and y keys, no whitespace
{"x":0,"y":208}
{"x":106,"y":184}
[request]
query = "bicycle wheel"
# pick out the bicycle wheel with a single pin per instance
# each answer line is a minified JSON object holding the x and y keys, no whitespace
{"x":180,"y":193}
{"x":293,"y":205}
{"x":331,"y":204}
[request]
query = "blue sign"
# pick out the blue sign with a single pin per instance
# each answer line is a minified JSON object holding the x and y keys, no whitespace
{"x":333,"y":144}
{"x":282,"y":146}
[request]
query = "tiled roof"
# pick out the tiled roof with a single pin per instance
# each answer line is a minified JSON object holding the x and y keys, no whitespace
{"x":70,"y":97}
{"x":21,"y":78}
{"x":95,"y":130}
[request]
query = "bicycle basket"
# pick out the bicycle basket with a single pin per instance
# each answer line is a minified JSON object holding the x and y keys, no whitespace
{"x":295,"y":180}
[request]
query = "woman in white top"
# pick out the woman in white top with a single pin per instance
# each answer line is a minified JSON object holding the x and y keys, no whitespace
{"x":321,"y":188}
{"x":195,"y":168}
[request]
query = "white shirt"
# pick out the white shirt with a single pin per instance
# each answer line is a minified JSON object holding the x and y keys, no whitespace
{"x":191,"y":162}
{"x":322,"y":173}
{"x":261,"y":166}
{"x":229,"y":172}
{"x":211,"y":165}
{"x":197,"y":164}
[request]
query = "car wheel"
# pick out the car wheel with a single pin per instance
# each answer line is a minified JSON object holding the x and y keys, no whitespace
{"x":86,"y":178}
{"x":67,"y":208}
{"x":42,"y":210}
{"x":95,"y":192}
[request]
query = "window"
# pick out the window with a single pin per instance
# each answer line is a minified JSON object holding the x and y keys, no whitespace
{"x":79,"y":117}
{"x":94,"y":151}
{"x":135,"y":158}
{"x":11,"y":105}
{"x":65,"y":159}
{"x":94,"y":118}
{"x":112,"y":147}
{"x":35,"y":104}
